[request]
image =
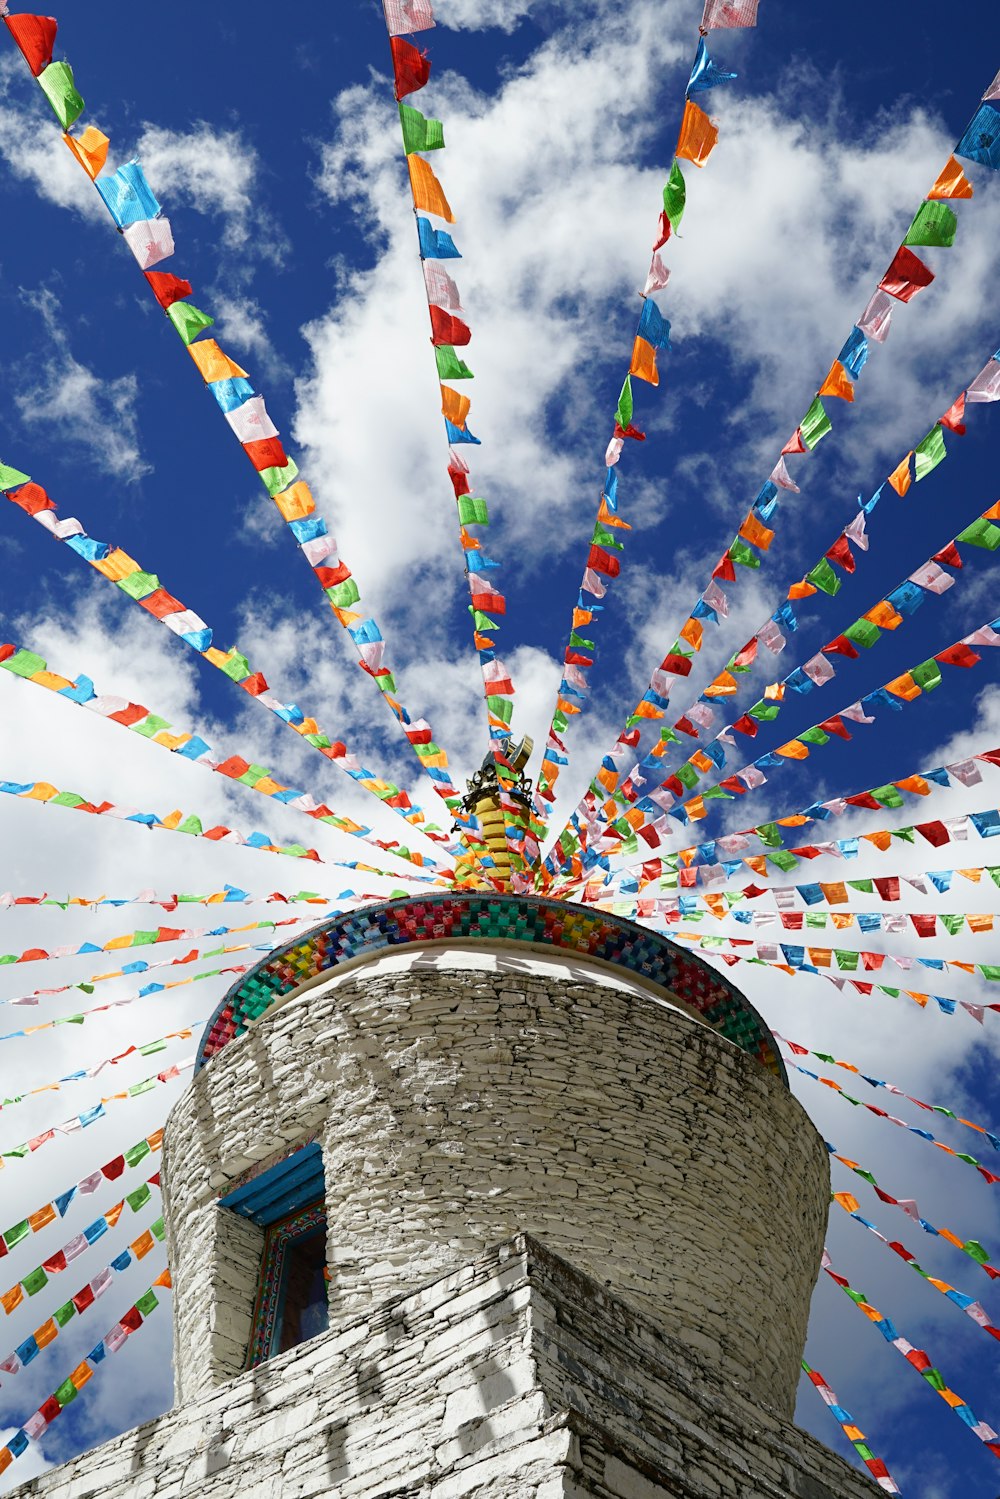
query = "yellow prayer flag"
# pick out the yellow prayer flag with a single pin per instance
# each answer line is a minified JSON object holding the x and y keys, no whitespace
{"x":90,"y":149}
{"x":117,"y":565}
{"x":295,"y":502}
{"x":212,"y":363}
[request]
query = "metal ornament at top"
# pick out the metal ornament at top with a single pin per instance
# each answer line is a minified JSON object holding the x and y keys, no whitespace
{"x":482,"y":799}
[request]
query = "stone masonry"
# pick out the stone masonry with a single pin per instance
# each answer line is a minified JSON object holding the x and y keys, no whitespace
{"x":514,"y":1377}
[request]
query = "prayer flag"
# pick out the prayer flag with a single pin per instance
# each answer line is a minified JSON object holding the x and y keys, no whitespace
{"x":127,"y":195}
{"x":815,"y":424}
{"x":212,"y":363}
{"x":454,"y":407}
{"x":441,"y":289}
{"x":658,"y":276}
{"x":675,"y":196}
{"x":428,"y":194}
{"x":981,"y":141}
{"x":419,"y":132}
{"x":150,"y":241}
{"x":625,"y":404}
{"x":929,"y":453}
{"x":729,"y":13}
{"x":697,"y":135}
{"x":986,"y":385}
{"x":705,"y":74}
{"x":189,"y":320}
{"x":35,"y":36}
{"x":952,"y":182}
{"x":407,"y":15}
{"x":643,"y":364}
{"x":876,"y":318}
{"x":411,"y":68}
{"x":902,"y":477}
{"x":837,"y":383}
{"x":90,"y":149}
{"x":56,"y":83}
{"x":446,"y":329}
{"x":449,"y":366}
{"x":954,"y":417}
{"x":933,"y":224}
{"x":906,"y":276}
{"x":435,"y":244}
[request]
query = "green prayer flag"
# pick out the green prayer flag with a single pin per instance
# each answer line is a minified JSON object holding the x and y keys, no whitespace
{"x":343,"y":595}
{"x":625,"y":405}
{"x":769,"y":834}
{"x":990,"y":971}
{"x":143,"y":939}
{"x":419,"y":132}
{"x":716,"y":793}
{"x":189,"y":320}
{"x":191,"y":825}
{"x":823,"y":577}
{"x":764,"y":712}
{"x":994,"y":874}
{"x":847,"y":961}
{"x":157,"y":1230}
{"x":449,"y":366}
{"x":151,"y":1047}
{"x":560,"y":721}
{"x":743,"y":554}
{"x":64,"y":1313}
{"x":933,"y":224}
{"x":66,"y":1393}
{"x":472,"y":511}
{"x":150,"y":726}
{"x":982,"y":533}
{"x":35,"y":1280}
{"x":927,"y":675}
{"x":953,"y":921}
{"x":905,"y":833}
{"x":815,"y":735}
{"x":67,"y":799}
{"x":675,"y":196}
{"x":11,"y":478}
{"x":783,"y":859}
{"x":146,"y":1084}
{"x":147,"y":1302}
{"x":817,"y":919}
{"x":975,"y":1249}
{"x":236,"y":667}
{"x":17,"y":1233}
{"x":815,"y":424}
{"x":865,"y":887}
{"x":688,"y":776}
{"x":24,"y":664}
{"x":863,"y":633}
{"x":56,"y":83}
{"x":929,"y":453}
{"x":138,"y":1198}
{"x":275,"y":480}
{"x":501,"y":707}
{"x":887,"y":796}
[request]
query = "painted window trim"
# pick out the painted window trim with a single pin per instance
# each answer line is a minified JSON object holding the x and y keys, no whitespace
{"x":267,"y":1304}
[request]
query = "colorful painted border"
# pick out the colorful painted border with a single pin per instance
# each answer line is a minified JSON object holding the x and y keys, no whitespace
{"x":492,"y":918}
{"x":268,"y":1303}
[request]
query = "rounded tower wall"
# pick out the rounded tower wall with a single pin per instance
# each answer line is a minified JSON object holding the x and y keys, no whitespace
{"x":460,"y":1097}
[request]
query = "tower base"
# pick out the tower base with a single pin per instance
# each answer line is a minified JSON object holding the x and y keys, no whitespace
{"x":515,"y":1377}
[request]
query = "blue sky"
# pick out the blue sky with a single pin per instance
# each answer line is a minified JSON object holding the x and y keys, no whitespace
{"x":275,"y":152}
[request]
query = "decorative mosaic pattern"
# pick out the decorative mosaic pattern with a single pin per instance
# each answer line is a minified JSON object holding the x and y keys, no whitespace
{"x":268,"y":1305}
{"x":493,"y":918}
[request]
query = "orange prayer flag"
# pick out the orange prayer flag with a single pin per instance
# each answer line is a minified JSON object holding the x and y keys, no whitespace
{"x":838,"y":383}
{"x":44,"y":1215}
{"x":916,"y":784}
{"x":80,"y":1375}
{"x":820,"y":957}
{"x":975,"y":875}
{"x":775,"y":692}
{"x":757,"y":863}
{"x":12,"y":1298}
{"x":581,"y":617}
{"x":607,"y":518}
{"x":901,"y":478}
{"x":952,"y":182}
{"x":90,"y":149}
{"x":41,"y":791}
{"x":756,"y":533}
{"x":648,"y":710}
{"x":980,"y":922}
{"x":155,"y":1140}
{"x":841,"y":919}
{"x":454,"y":407}
{"x":46,"y":1334}
{"x":993,"y":513}
{"x":114,"y":1213}
{"x":701,"y":762}
{"x":428,"y":193}
{"x":693,"y":633}
{"x":643,"y":364}
{"x":793,"y":750}
{"x":698,"y":135}
{"x":606,"y":778}
{"x":695,"y":808}
{"x":835,"y":894}
{"x":6,"y":1458}
{"x":212,"y":363}
{"x":904,"y":687}
{"x":883,"y":615}
{"x":173,"y":819}
{"x":724,"y":685}
{"x":847,"y":1200}
{"x":163,"y":1279}
{"x":117,"y":565}
{"x":295,"y":502}
{"x":881,"y":839}
{"x":964,"y":967}
{"x":801,"y":590}
{"x":796,"y":820}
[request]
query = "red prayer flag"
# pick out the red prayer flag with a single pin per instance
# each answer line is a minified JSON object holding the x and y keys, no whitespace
{"x":888,"y":887}
{"x":841,"y":646}
{"x":167,"y":288}
{"x":32,"y":498}
{"x":83,"y":1299}
{"x":36,"y":36}
{"x":604,"y":562}
{"x":132,"y":1319}
{"x":835,"y":725}
{"x":841,"y":553}
{"x":266,"y":452}
{"x":958,"y":655}
{"x":948,"y":556}
{"x":411,"y":67}
{"x":446,"y":329}
{"x":935,"y":833}
{"x":906,"y":276}
{"x":161,"y":603}
{"x":746,"y":725}
{"x":954,"y":417}
{"x":113,"y":1170}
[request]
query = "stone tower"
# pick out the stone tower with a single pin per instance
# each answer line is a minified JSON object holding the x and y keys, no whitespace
{"x":484,"y":1195}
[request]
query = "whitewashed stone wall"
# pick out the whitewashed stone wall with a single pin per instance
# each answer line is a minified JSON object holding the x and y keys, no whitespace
{"x":514,"y":1377}
{"x":458,"y":1107}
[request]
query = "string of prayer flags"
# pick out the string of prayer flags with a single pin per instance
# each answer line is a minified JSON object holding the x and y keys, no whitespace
{"x":852,"y":1431}
{"x":35,"y":1280}
{"x":910,"y":1207}
{"x":112,"y":1341}
{"x":968,"y":1304}
{"x":138,"y":965}
{"x":990,"y":1177}
{"x":696,"y":139}
{"x":30,"y":667}
{"x":799,"y":1050}
{"x":448,"y":333}
{"x":133,"y":206}
{"x":58,"y":1206}
{"x":144,"y":939}
{"x":97,"y":1111}
{"x":924,"y":924}
{"x":147,"y":1049}
{"x":144,"y":589}
{"x":230,"y":895}
{"x":918,"y":1359}
{"x":905,"y":276}
{"x":604,"y":800}
{"x":76,"y":1305}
